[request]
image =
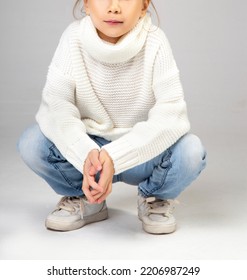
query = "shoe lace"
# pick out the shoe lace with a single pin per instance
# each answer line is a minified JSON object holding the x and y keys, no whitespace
{"x":70,"y":203}
{"x":159,"y":206}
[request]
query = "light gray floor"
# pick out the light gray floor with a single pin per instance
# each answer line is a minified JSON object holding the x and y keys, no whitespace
{"x":211,"y":216}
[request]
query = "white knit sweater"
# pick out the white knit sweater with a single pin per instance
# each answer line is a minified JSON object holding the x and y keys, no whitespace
{"x":129,"y":93}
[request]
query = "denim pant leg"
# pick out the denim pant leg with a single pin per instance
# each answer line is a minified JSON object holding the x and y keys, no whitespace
{"x":42,"y":156}
{"x":168,"y":174}
{"x":165,"y":176}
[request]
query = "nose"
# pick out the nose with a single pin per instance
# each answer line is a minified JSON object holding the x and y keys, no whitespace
{"x":114,"y":7}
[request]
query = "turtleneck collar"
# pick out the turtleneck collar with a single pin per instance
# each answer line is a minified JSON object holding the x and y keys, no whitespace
{"x":126,"y":48}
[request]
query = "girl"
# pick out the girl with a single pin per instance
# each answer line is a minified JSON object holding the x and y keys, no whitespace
{"x":113,"y":110}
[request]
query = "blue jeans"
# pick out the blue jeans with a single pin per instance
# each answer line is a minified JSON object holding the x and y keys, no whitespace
{"x":164,"y":177}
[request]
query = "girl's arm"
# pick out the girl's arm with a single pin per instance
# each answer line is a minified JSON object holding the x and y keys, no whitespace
{"x":167,"y":120}
{"x":58,"y":115}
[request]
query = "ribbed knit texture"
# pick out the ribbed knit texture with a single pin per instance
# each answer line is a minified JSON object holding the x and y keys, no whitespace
{"x":129,"y":93}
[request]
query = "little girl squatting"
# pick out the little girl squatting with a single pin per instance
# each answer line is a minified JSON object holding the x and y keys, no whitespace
{"x":113,"y":110}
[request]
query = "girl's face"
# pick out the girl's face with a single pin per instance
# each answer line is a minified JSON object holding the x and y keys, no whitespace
{"x":115,"y":18}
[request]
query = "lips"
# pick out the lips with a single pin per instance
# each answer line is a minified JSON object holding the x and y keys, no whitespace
{"x":113,"y":22}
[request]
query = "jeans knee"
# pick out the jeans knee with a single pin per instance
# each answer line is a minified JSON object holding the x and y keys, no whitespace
{"x":30,"y":146}
{"x":193,"y":152}
{"x":22,"y":145}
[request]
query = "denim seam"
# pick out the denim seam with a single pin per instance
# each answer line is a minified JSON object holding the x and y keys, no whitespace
{"x":167,"y":170}
{"x":57,"y":168}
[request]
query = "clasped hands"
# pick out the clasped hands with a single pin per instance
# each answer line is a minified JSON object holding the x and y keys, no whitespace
{"x":97,"y":162}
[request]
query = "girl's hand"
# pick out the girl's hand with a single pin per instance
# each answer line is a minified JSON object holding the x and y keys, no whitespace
{"x":97,"y":162}
{"x":91,"y":167}
{"x":106,"y":176}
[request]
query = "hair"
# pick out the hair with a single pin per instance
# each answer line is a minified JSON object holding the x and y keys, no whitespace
{"x":78,"y":6}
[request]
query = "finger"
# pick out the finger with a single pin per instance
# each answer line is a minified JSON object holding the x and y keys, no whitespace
{"x":95,"y":192}
{"x":86,"y":191}
{"x":106,"y":181}
{"x":97,"y":196}
{"x":104,"y":196}
{"x":94,"y":185}
{"x":94,"y":159}
{"x":92,"y":171}
{"x":90,"y":177}
{"x":106,"y":177}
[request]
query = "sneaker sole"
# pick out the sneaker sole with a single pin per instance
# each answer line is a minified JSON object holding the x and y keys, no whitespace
{"x":54,"y":225}
{"x":159,"y":229}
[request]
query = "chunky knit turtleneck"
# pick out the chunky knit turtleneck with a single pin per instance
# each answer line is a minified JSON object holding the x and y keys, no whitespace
{"x":126,"y":48}
{"x":128,"y":93}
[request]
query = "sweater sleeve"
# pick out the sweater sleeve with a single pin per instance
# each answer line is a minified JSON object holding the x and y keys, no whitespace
{"x":58,"y":117}
{"x":167,"y":120}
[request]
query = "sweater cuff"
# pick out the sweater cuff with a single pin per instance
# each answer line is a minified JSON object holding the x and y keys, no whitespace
{"x":123,"y":154}
{"x":78,"y":151}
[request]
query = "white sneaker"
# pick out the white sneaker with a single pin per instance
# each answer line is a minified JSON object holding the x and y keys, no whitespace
{"x":156,"y":215}
{"x":75,"y":212}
